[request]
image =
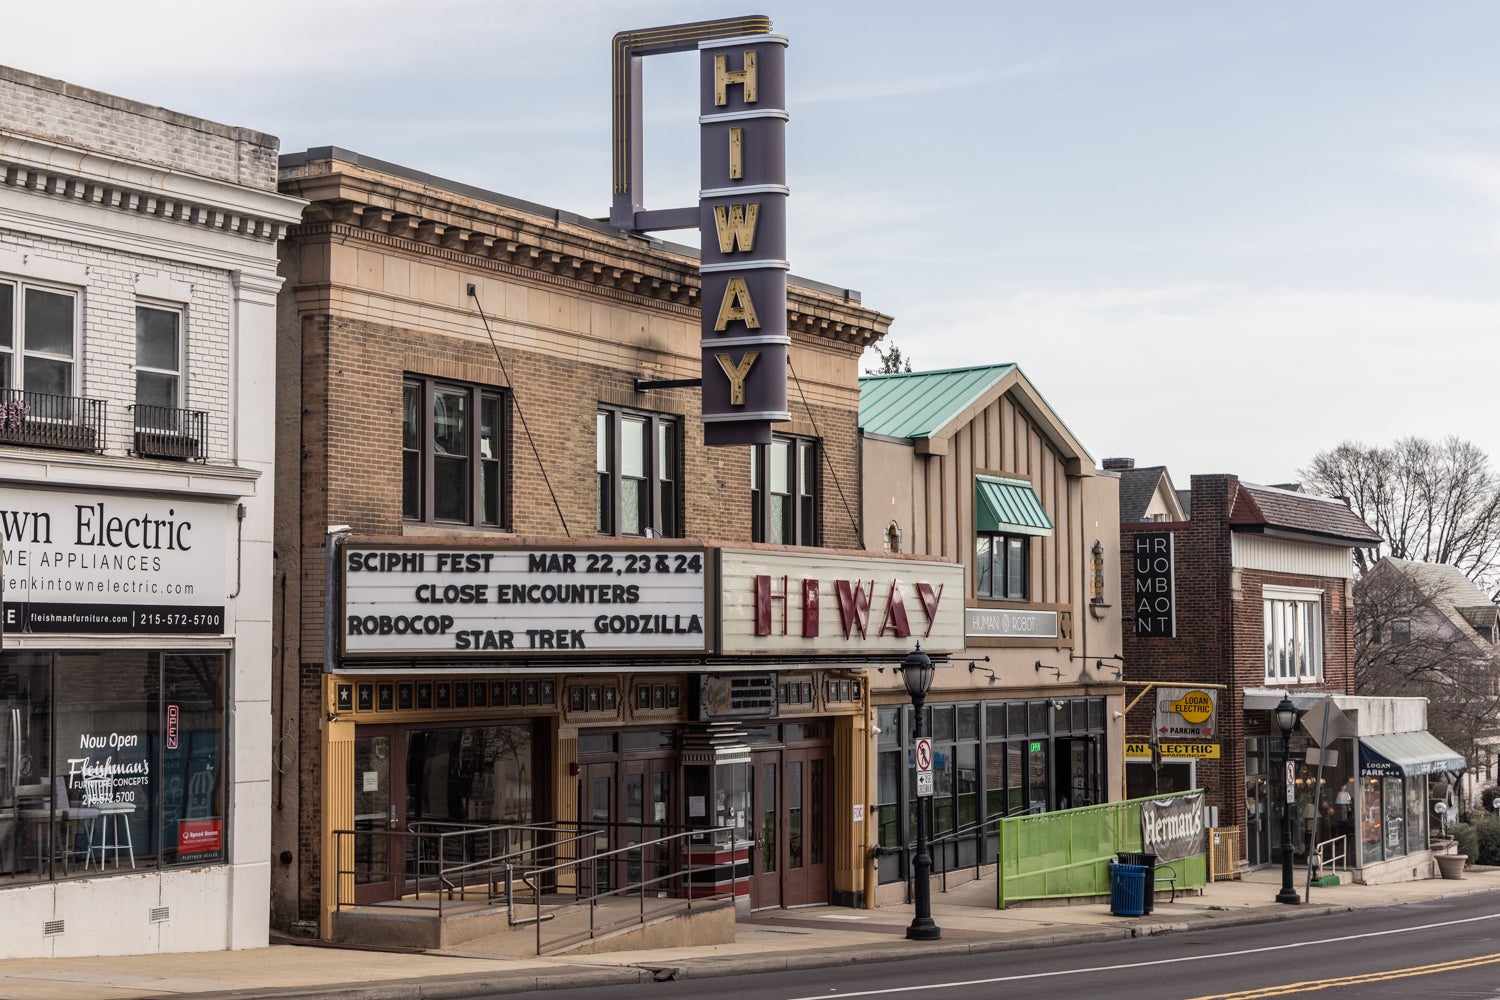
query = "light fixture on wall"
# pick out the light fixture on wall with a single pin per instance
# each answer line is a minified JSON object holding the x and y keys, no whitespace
{"x":984,"y":670}
{"x":1056,"y":671}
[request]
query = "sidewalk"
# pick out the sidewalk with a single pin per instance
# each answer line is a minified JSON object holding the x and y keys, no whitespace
{"x":768,"y":941}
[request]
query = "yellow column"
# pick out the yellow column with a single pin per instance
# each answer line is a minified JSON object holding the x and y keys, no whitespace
{"x":851,"y":769}
{"x":337,"y":812}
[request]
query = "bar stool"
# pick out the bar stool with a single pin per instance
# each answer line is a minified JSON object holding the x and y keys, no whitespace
{"x":110,"y":831}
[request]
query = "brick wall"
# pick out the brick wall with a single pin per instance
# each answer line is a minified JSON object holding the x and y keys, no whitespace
{"x":89,"y":119}
{"x":1221,"y":632}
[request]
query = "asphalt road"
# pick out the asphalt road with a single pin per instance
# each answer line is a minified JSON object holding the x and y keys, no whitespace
{"x":1442,"y":949}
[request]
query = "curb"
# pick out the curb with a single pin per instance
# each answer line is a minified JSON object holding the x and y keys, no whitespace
{"x":575,"y":977}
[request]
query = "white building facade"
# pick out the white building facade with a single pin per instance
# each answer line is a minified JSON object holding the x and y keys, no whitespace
{"x":137,"y":322}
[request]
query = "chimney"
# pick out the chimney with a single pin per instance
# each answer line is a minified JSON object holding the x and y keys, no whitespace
{"x":1119,"y":464}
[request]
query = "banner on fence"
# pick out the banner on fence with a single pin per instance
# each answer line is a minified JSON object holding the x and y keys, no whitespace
{"x":1172,"y":829}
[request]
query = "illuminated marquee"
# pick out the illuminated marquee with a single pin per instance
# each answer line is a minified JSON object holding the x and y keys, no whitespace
{"x":741,"y":214}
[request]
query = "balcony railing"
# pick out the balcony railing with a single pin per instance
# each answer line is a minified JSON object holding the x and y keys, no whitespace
{"x":167,"y":432}
{"x":42,"y":420}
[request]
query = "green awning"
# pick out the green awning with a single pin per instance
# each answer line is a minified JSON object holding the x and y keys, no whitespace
{"x":1008,"y":506}
{"x":1409,"y":754}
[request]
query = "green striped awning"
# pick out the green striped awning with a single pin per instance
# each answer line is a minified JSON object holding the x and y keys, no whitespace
{"x":1008,"y":506}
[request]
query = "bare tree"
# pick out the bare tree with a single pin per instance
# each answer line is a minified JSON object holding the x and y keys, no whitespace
{"x":1436,"y":502}
{"x":1408,"y":644}
{"x":892,"y":361}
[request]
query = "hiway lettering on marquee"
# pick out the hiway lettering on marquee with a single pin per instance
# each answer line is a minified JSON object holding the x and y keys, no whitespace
{"x":855,"y":599}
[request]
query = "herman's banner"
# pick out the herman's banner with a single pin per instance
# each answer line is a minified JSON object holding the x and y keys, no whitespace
{"x":1172,"y":829}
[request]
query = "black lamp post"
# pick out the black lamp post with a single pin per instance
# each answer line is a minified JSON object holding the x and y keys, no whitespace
{"x":1286,"y":718}
{"x":916,"y":672}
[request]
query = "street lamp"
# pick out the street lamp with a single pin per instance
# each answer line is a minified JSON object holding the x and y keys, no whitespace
{"x":1286,"y":718}
{"x":916,"y":673}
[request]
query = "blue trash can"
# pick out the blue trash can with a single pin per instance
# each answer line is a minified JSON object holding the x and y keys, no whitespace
{"x":1149,"y":861}
{"x":1127,"y":890}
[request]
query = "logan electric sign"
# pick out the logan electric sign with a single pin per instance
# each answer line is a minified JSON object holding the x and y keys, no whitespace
{"x":98,"y":563}
{"x":499,"y":603}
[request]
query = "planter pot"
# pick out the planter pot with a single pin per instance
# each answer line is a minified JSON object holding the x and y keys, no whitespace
{"x":1451,"y":865}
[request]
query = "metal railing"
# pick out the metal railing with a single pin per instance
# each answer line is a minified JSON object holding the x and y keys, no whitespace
{"x":521,"y":865}
{"x":1333,"y":854}
{"x":44,"y":420}
{"x":937,"y":847}
{"x":169,"y":432}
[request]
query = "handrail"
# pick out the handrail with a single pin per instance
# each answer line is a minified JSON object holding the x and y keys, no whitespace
{"x":529,"y":854}
{"x":1337,"y":856}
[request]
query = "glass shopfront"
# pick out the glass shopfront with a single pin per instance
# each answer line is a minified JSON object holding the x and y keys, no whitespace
{"x":110,"y":761}
{"x":990,"y":760}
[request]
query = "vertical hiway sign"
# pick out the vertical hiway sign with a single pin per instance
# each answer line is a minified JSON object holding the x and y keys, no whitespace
{"x":741,"y":214}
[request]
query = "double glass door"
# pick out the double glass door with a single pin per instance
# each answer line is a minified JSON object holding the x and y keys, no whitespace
{"x":628,"y":803}
{"x":789,"y":826}
{"x":412,"y":784}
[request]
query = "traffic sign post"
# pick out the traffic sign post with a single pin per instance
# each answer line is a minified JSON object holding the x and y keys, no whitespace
{"x":924,"y":767}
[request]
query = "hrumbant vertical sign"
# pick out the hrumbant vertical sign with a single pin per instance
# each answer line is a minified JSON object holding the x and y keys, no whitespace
{"x":741,"y":214}
{"x":1155,"y":599}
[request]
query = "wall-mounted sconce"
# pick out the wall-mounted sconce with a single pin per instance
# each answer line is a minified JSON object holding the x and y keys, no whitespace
{"x":1101,"y":666}
{"x":1056,"y":671}
{"x":984,"y":670}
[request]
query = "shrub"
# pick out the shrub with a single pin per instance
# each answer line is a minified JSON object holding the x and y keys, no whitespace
{"x":1468,"y":840}
{"x":1488,"y":830}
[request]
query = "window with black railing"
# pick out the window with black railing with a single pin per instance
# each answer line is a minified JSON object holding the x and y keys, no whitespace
{"x":39,"y":371}
{"x":169,"y":431}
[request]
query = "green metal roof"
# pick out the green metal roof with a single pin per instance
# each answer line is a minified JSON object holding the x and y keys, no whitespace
{"x":920,"y":404}
{"x":1009,"y":506}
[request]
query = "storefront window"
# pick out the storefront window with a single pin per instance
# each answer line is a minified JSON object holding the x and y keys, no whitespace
{"x":1416,"y":814}
{"x":111,"y":761}
{"x":991,"y":760}
{"x":1371,"y":816}
{"x":1395,"y":818}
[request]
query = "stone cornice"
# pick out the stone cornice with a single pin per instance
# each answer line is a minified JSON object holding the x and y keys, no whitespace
{"x":50,"y":169}
{"x":350,"y":202}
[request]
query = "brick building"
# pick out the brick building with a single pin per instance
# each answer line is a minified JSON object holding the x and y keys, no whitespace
{"x":137,"y":294}
{"x":470,"y":381}
{"x":1247,"y":598}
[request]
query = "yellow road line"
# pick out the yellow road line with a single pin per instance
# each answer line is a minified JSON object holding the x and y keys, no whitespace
{"x":1367,"y":977}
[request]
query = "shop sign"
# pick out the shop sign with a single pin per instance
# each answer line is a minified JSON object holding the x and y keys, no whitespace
{"x":199,"y":836}
{"x":1155,"y":596}
{"x":781,"y":602}
{"x":493,"y":603}
{"x":96,"y":563}
{"x":994,"y":623}
{"x":1172,"y":829}
{"x":1141,"y":749}
{"x":1186,"y":713}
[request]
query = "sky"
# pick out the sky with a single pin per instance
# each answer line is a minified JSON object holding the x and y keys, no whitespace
{"x":1217,"y":237}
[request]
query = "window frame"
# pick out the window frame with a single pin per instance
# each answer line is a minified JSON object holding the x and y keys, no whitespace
{"x":1293,"y":615}
{"x":12,"y":376}
{"x":179,"y":387}
{"x":661,"y":460}
{"x":476,"y":397}
{"x":1002,"y":594}
{"x":803,"y":527}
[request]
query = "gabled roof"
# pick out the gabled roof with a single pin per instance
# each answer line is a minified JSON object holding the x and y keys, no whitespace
{"x":922,"y":404}
{"x":933,"y":405}
{"x":1454,"y":595}
{"x":1267,"y":508}
{"x":1137,"y":489}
